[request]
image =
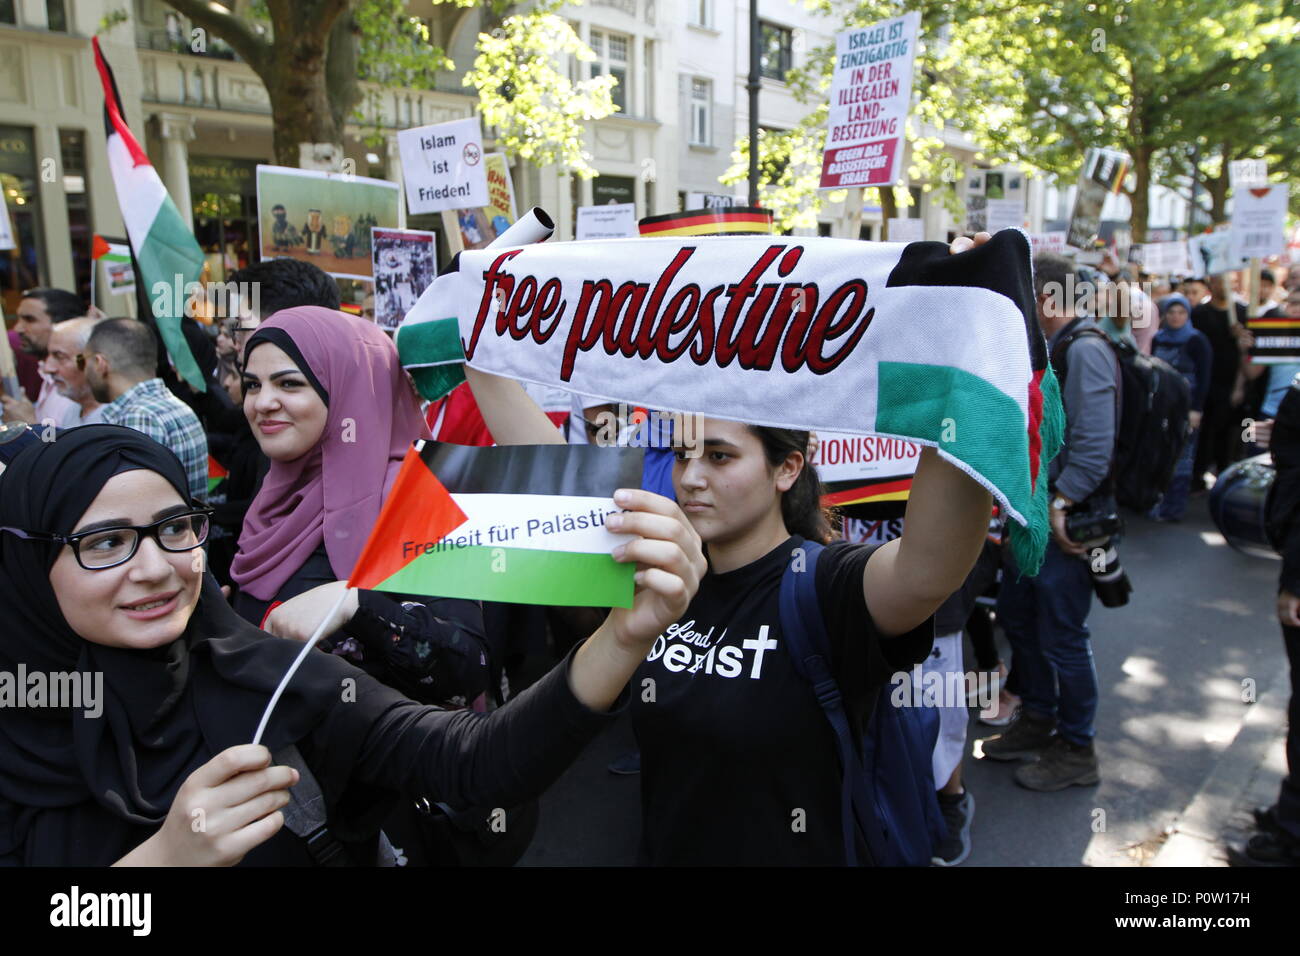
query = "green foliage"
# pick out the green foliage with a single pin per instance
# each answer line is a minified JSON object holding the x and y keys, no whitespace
{"x":111,"y":19}
{"x":536,"y":110}
{"x":1037,"y":83}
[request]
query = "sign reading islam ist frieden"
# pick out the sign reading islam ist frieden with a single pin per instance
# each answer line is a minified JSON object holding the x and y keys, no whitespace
{"x":443,"y":166}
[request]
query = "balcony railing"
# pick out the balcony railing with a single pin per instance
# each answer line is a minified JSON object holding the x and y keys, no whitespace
{"x":176,"y":79}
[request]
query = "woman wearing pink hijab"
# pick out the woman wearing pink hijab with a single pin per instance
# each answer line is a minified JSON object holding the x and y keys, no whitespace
{"x":332,"y":408}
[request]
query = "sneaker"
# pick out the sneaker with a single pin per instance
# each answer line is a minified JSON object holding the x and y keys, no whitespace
{"x":1008,"y":707}
{"x":958,"y":811}
{"x":1266,"y":849}
{"x":1027,"y":737}
{"x":627,"y":764}
{"x":1062,"y":765}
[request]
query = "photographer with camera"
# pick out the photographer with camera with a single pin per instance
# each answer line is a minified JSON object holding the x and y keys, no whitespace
{"x":1045,"y":617}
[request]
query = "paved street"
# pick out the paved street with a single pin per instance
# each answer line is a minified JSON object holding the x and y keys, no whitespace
{"x":1171,"y":666}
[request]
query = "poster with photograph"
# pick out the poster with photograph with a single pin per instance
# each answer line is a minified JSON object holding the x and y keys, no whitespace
{"x":405,"y":262}
{"x":323,"y":218}
{"x":118,"y":272}
{"x":1102,"y":175}
{"x":1211,"y":254}
{"x":475,"y":228}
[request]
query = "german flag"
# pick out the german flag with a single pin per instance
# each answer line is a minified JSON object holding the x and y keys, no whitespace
{"x":731,"y":221}
{"x":522,"y":524}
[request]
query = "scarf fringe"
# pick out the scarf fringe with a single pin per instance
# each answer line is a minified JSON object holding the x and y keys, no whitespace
{"x":1029,"y":542}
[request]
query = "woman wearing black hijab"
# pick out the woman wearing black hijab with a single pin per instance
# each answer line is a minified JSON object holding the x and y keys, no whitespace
{"x":185,"y":680}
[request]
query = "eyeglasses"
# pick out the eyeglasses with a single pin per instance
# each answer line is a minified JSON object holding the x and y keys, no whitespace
{"x":108,"y":547}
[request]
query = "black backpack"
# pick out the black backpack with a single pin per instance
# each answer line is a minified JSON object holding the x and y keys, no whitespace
{"x":1154,"y":402}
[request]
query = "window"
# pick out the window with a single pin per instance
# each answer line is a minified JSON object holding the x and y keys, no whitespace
{"x":7,"y":12}
{"x":700,"y":12}
{"x":57,"y":15}
{"x":22,"y":267}
{"x":701,"y":112}
{"x":776,"y":51}
{"x":611,"y":51}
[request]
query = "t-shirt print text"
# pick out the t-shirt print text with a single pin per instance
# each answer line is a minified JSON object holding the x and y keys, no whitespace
{"x":683,"y":648}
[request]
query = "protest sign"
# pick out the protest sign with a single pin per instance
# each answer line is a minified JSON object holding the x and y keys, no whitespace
{"x":442,"y":166}
{"x":1211,"y":254}
{"x":405,"y":262}
{"x":865,"y":475}
{"x":1244,"y":173}
{"x":711,"y":201}
{"x":1103,"y":174}
{"x":871,"y":92}
{"x":118,"y":271}
{"x":827,"y":334}
{"x":903,"y":229}
{"x":1053,"y":242}
{"x":611,"y":221}
{"x":476,"y":228}
{"x":323,"y":218}
{"x":1258,"y":221}
{"x":6,"y":227}
{"x":1004,"y":214}
{"x":1277,"y":339}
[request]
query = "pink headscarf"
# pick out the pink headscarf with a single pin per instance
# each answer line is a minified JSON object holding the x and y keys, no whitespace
{"x":334,"y":492}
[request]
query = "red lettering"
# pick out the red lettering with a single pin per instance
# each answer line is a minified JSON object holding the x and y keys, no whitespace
{"x":827,"y":326}
{"x":524,"y":297}
{"x":582,"y":337}
{"x":548,"y":304}
{"x":700,"y":354}
{"x":670,"y":324}
{"x":646,"y":332}
{"x":624,"y":306}
{"x":792,"y":347}
{"x":491,"y":279}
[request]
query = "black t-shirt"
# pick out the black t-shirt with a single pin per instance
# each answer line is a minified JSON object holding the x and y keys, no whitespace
{"x":738,"y":762}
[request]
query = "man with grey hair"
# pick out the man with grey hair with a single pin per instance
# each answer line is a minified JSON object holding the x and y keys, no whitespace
{"x":65,"y":364}
{"x":121,"y":358}
{"x":1045,"y":617}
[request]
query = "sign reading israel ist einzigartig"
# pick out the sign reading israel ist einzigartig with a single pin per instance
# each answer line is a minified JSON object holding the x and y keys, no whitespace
{"x":871,"y":91}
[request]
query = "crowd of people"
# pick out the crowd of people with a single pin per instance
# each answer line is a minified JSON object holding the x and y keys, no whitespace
{"x":276,"y":472}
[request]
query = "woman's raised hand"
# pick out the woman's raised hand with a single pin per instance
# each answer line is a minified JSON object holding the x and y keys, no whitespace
{"x":670,"y":563}
{"x":298,"y":617}
{"x":224,"y":809}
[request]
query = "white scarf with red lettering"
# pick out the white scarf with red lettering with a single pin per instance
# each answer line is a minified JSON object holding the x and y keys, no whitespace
{"x":896,"y":339}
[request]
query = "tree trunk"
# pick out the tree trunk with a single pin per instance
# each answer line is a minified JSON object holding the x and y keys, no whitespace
{"x":1218,"y":187}
{"x":1140,"y":198}
{"x":888,"y":210}
{"x":296,"y":79}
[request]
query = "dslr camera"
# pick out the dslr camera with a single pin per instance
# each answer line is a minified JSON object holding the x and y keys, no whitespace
{"x":1095,"y":523}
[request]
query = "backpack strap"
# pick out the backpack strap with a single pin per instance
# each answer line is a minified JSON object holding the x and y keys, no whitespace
{"x":804,"y":629}
{"x":304,"y":815}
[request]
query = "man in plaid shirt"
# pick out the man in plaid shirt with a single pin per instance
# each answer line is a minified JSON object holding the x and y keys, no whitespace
{"x":121,"y":358}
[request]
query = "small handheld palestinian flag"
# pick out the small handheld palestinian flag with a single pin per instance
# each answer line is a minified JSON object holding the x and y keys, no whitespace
{"x":166,"y":251}
{"x":523,"y":524}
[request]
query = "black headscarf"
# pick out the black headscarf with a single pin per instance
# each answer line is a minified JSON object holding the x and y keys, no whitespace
{"x":165,"y":711}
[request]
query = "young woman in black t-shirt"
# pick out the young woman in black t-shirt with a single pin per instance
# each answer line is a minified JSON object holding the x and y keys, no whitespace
{"x":738,"y":762}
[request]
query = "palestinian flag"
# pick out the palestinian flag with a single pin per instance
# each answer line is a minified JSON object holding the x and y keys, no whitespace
{"x":165,"y":249}
{"x":430,"y":350}
{"x":523,"y":524}
{"x":731,"y":221}
{"x":217,"y":473}
{"x":101,"y":248}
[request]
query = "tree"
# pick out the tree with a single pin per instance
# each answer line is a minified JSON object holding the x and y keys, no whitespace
{"x":312,"y":56}
{"x":537,"y":112}
{"x":1150,"y":79}
{"x":1039,"y":82}
{"x":946,"y":93}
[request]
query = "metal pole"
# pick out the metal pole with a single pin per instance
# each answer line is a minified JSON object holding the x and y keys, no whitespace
{"x":753,"y":86}
{"x":1191,"y":212}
